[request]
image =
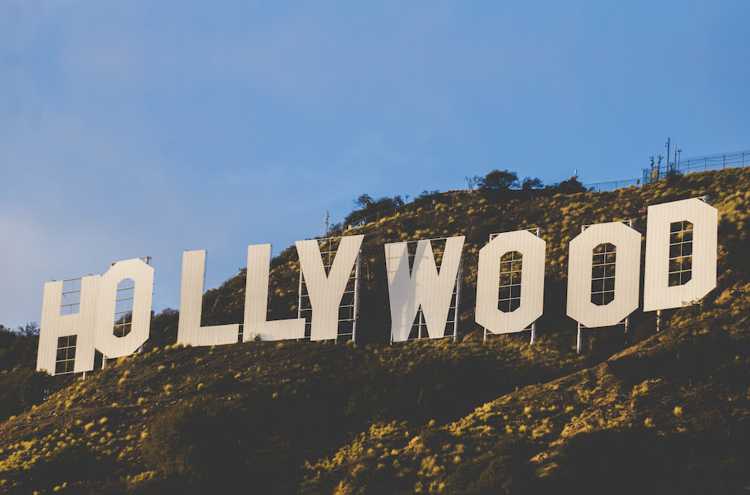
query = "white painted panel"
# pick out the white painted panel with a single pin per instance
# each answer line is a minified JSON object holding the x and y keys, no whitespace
{"x":256,"y":301}
{"x":422,"y":286}
{"x":532,"y":250}
{"x":142,"y":276}
{"x":627,"y":242}
{"x":705,"y":220}
{"x":81,"y":324}
{"x":326,"y":291}
{"x":190,"y":331}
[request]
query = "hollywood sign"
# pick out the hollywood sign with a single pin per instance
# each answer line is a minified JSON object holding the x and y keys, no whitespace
{"x":603,"y":287}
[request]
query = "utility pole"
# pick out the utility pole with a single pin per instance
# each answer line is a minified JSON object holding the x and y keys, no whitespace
{"x":668,"y":143}
{"x":328,"y":222}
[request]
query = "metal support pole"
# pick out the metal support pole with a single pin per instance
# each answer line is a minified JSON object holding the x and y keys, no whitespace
{"x":459,"y":278}
{"x":579,"y":336}
{"x":658,"y":320}
{"x":532,"y":339}
{"x":299,"y":296}
{"x":356,"y":297}
{"x":627,"y":328}
{"x":419,"y":325}
{"x":299,"y":299}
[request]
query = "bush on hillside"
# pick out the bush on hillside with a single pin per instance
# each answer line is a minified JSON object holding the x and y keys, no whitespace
{"x":570,"y":186}
{"x":531,"y":183}
{"x":499,"y":180}
{"x":18,"y":347}
{"x":22,"y":388}
{"x":370,"y":209}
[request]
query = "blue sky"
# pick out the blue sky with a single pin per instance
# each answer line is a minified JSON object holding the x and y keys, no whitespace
{"x":147,"y":128}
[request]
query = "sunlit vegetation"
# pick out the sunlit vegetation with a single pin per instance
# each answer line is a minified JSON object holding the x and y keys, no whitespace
{"x":656,"y":413}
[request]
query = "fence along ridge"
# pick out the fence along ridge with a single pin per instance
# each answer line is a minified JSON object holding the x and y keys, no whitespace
{"x":719,"y":161}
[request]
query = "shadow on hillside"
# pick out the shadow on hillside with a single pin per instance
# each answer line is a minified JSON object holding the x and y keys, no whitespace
{"x":641,"y":461}
{"x":615,"y":462}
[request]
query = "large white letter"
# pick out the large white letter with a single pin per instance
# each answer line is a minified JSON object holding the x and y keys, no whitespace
{"x":423,"y":286}
{"x":616,"y":270}
{"x":326,"y":291}
{"x":531,"y":248}
{"x":681,"y":240}
{"x":256,"y":301}
{"x":79,"y":325}
{"x":190,"y":331}
{"x":142,"y":276}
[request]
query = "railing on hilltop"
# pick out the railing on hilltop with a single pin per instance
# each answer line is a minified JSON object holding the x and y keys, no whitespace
{"x":690,"y":165}
{"x":611,"y":185}
{"x":713,"y":162}
{"x":687,"y":166}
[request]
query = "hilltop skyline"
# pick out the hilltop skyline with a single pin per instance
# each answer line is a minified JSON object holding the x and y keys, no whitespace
{"x":137,"y":129}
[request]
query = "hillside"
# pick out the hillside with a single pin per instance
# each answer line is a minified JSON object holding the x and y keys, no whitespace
{"x":656,"y":413}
